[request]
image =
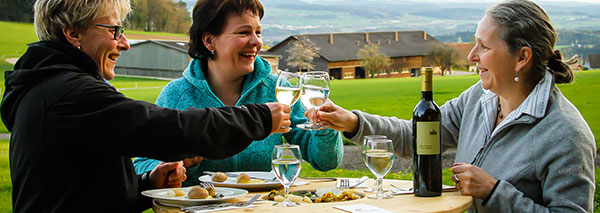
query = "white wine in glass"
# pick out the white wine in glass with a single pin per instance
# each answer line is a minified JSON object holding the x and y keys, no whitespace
{"x":288,"y":88}
{"x":287,"y":95}
{"x":379,"y":158}
{"x":315,"y":86}
{"x":364,"y":156}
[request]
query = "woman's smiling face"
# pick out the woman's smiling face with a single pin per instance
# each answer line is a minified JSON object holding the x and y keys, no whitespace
{"x":99,"y":43}
{"x":494,"y":60}
{"x":237,"y":47}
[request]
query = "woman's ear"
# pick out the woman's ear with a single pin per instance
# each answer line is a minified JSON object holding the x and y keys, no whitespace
{"x":208,"y":41}
{"x":73,"y":37}
{"x":524,"y":57}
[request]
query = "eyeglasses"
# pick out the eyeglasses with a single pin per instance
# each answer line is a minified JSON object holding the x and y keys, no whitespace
{"x":118,"y":30}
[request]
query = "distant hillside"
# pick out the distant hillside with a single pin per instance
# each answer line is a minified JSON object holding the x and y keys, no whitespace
{"x":287,"y":17}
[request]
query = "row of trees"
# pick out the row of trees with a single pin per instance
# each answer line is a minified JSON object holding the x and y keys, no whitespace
{"x":301,"y":54}
{"x":16,"y":10}
{"x":148,"y":15}
{"x":159,"y":16}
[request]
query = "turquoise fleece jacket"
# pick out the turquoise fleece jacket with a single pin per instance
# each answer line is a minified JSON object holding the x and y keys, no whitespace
{"x":323,"y":149}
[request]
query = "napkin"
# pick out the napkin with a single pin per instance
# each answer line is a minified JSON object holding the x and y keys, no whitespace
{"x":361,"y":208}
{"x":221,"y":208}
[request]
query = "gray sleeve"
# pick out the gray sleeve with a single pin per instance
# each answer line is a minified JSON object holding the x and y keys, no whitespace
{"x":565,"y":168}
{"x":399,"y":130}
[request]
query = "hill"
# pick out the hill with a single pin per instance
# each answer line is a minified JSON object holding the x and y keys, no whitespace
{"x":285,"y":17}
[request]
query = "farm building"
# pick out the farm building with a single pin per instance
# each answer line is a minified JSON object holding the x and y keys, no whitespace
{"x":594,"y":61}
{"x":164,"y":59}
{"x":338,"y":52}
{"x":154,"y":58}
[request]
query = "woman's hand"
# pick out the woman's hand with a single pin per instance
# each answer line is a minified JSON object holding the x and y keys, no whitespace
{"x":472,"y":180}
{"x":168,"y":175}
{"x":337,"y":117}
{"x":280,"y":114}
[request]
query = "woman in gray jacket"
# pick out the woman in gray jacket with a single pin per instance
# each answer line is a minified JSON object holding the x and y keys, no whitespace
{"x":521,"y":145}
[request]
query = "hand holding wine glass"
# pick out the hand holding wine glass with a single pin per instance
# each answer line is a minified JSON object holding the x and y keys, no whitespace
{"x":285,"y":161}
{"x":315,"y":91}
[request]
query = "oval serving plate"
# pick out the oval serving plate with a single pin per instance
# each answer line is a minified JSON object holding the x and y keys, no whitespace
{"x":161,"y":195}
{"x":232,"y":181}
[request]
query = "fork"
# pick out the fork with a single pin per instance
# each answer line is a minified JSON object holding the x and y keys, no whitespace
{"x":217,"y":206}
{"x":208,"y":185}
{"x":344,"y":183}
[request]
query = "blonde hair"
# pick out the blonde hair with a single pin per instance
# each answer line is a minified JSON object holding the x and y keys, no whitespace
{"x":52,"y":16}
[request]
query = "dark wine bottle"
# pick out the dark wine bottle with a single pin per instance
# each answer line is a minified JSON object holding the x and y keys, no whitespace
{"x":427,"y":156}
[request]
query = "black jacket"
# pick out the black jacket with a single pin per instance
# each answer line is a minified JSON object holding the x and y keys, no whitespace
{"x":73,"y":135}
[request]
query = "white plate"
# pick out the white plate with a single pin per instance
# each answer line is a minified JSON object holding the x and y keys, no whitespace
{"x":161,"y":196}
{"x":232,"y":181}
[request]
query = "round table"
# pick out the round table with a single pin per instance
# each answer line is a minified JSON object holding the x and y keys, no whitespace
{"x":448,"y":202}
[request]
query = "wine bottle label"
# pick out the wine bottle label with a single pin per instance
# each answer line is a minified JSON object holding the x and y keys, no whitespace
{"x":428,"y":138}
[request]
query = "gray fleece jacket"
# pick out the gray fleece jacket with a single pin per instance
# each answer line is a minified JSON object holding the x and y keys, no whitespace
{"x":543,"y":152}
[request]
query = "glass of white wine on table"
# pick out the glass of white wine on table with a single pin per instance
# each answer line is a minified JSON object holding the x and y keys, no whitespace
{"x":315,"y":91}
{"x":288,"y":88}
{"x":380,"y":157}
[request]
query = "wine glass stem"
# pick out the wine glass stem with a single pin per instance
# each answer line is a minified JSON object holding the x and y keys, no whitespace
{"x":379,"y":186}
{"x":286,"y":189}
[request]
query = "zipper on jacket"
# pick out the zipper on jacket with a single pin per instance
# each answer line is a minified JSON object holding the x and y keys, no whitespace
{"x":485,"y":149}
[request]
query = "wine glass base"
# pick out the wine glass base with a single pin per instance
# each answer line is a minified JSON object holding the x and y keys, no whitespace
{"x":380,"y":197}
{"x":374,"y":190}
{"x":286,"y":203}
{"x":312,"y":126}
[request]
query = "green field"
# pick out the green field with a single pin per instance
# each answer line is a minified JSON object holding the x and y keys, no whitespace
{"x":388,"y":97}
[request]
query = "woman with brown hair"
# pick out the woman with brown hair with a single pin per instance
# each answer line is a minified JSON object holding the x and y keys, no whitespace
{"x":521,"y":145}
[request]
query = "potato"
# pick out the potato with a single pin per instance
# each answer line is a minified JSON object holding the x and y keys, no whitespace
{"x":307,"y":199}
{"x":278,"y":198}
{"x":178,"y":192}
{"x":295,"y":198}
{"x":197,"y":192}
{"x":243,"y":178}
{"x":219,"y":177}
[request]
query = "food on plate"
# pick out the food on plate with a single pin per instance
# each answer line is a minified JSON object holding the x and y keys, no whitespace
{"x":243,"y":178}
{"x":330,"y":197}
{"x":219,"y":177}
{"x":197,"y":192}
{"x":308,"y":196}
{"x":175,"y":193}
{"x":211,"y":191}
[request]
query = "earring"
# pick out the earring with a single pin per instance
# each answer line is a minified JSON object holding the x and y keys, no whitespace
{"x":517,"y":77}
{"x":79,"y":47}
{"x":212,"y":52}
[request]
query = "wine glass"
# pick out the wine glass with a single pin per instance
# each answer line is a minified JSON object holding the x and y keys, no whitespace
{"x":380,"y":157}
{"x":315,"y":91}
{"x":364,"y":155}
{"x":288,"y":89}
{"x":285,"y":161}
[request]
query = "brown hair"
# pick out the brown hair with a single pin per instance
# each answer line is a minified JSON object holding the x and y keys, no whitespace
{"x":210,"y":16}
{"x":524,"y":23}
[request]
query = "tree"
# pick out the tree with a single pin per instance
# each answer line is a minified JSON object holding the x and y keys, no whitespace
{"x":159,"y":15}
{"x":301,"y":55}
{"x":18,"y":11}
{"x":373,"y":60}
{"x":443,"y":56}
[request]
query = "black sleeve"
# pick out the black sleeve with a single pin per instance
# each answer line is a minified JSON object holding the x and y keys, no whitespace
{"x":132,"y":128}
